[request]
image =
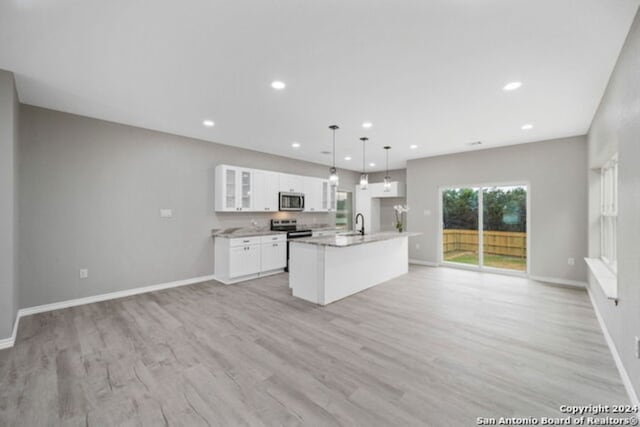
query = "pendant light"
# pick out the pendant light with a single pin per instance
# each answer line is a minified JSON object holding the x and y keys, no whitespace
{"x":387,"y":178}
{"x":333,"y":172}
{"x":364,"y":178}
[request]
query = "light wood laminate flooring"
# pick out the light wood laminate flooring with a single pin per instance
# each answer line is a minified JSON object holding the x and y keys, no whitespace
{"x":435,"y":347}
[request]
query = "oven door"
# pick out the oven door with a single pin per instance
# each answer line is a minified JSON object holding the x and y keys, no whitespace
{"x":291,"y":202}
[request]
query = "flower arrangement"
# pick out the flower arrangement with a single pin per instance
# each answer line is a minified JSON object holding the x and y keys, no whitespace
{"x":400,"y":210}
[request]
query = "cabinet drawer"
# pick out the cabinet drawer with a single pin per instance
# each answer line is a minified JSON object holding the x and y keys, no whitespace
{"x":274,"y":238}
{"x":244,"y":241}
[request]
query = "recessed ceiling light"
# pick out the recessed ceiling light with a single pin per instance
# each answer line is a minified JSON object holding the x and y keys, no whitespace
{"x":413,"y":147}
{"x":347,"y":158}
{"x":296,"y":145}
{"x":367,"y":125}
{"x":278,"y":85}
{"x":372,"y":164}
{"x":527,"y":126}
{"x":208,"y":123}
{"x":512,"y":86}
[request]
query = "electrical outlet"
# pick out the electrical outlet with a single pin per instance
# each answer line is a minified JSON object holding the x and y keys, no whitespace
{"x":638,"y":347}
{"x":571,"y":261}
{"x":84,"y":273}
{"x":166,"y":213}
{"x":417,"y":245}
{"x":427,"y":212}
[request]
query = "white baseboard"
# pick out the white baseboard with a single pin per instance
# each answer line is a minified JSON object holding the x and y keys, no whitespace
{"x":8,"y":342}
{"x":633,"y":396}
{"x":246,"y":278}
{"x":420,"y":262}
{"x":557,"y":281}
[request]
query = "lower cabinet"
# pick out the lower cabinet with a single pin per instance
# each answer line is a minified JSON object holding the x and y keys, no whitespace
{"x":273,"y":256}
{"x":246,"y":258}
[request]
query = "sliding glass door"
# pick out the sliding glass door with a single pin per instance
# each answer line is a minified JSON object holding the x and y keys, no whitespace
{"x":460,"y":226}
{"x":485,"y":227}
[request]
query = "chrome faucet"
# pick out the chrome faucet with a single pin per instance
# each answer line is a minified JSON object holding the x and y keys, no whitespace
{"x":361,"y":228}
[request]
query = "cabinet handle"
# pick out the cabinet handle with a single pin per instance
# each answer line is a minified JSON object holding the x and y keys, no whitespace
{"x":274,"y":238}
{"x":275,"y":244}
{"x":246,"y":241}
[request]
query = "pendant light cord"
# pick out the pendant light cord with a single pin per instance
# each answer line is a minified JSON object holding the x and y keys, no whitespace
{"x":334,"y":148}
{"x":387,"y":172}
{"x":363,"y":161}
{"x":387,"y":148}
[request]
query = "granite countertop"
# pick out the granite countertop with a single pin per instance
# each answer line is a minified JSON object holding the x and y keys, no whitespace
{"x":342,"y":241}
{"x":231,"y":233}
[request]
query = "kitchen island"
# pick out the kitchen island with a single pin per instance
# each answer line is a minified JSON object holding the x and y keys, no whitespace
{"x":325,"y":269}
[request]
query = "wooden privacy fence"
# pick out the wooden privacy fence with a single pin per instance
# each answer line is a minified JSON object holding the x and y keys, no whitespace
{"x":508,"y":243}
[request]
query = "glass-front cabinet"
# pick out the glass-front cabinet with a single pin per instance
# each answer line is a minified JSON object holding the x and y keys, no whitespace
{"x":246,"y":184}
{"x":230,"y":199}
{"x":333,"y":198}
{"x":236,"y":185}
{"x":325,"y":195}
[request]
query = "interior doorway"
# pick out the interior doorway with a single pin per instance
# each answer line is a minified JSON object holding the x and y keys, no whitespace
{"x":485,"y":227}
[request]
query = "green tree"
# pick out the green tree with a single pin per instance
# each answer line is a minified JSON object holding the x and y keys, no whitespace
{"x":504,"y":210}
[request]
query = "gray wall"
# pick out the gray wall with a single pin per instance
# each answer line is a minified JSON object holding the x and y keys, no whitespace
{"x":8,"y":207}
{"x":90,"y":198}
{"x":616,"y":128}
{"x":387,"y":213}
{"x":556,"y":172}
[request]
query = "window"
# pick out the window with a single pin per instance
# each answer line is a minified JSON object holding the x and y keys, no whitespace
{"x":609,"y":212}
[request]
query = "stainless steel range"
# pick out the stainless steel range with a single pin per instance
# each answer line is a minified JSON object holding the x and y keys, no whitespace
{"x":293,"y":232}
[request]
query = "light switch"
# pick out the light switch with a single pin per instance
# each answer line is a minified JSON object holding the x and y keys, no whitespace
{"x":84,"y":273}
{"x":166,"y":213}
{"x":427,"y":212}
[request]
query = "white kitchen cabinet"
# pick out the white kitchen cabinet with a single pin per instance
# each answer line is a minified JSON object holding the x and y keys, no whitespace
{"x":273,"y":256}
{"x":234,"y":189}
{"x":291,"y":183}
{"x":244,"y":258}
{"x":239,"y":189}
{"x":244,"y":261}
{"x":325,"y":195}
{"x":265,"y":191}
{"x":333,"y":198}
{"x":313,"y":188}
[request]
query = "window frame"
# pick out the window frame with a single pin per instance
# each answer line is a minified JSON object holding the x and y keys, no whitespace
{"x":609,"y":213}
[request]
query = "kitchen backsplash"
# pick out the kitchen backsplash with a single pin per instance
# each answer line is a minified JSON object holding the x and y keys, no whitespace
{"x":244,"y":219}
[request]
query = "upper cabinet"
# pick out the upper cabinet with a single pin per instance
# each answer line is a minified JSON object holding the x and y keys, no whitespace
{"x":234,"y":189}
{"x":240,"y":189}
{"x":266,"y":186}
{"x":313,"y":194}
{"x":333,"y":198}
{"x":328,"y":196}
{"x":291,"y":183}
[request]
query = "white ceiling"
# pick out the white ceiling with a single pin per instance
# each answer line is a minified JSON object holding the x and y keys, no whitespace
{"x":423,"y":72}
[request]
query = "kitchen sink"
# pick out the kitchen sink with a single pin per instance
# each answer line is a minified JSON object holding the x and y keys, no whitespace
{"x":350,"y":234}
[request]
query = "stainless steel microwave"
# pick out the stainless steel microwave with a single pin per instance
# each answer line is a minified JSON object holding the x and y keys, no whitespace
{"x":291,"y":201}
